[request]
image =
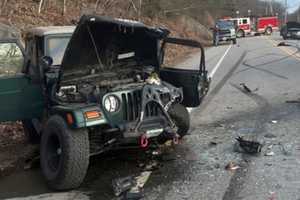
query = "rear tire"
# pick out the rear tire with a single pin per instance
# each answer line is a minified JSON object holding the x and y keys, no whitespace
{"x":181,"y":118}
{"x":64,"y":154}
{"x":240,"y":33}
{"x":215,"y":43}
{"x":32,"y":136}
{"x":268,"y":31}
{"x":234,"y":41}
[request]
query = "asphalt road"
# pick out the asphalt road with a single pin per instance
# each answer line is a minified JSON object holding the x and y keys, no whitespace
{"x":195,"y":169}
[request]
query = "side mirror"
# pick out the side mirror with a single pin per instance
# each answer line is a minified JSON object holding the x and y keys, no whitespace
{"x":46,"y":62}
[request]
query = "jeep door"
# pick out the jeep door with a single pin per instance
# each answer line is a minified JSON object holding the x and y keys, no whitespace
{"x":193,"y":80}
{"x":19,"y":98}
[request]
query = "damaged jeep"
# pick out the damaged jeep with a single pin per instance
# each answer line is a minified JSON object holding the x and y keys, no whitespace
{"x":100,"y":86}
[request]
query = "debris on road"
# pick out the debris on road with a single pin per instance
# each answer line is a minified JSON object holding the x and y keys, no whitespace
{"x":286,"y":149}
{"x":283,"y":44}
{"x":270,"y":135}
{"x":231,"y":166}
{"x":293,"y":101}
{"x":247,"y":89}
{"x":151,"y":165}
{"x":274,"y":121}
{"x":251,"y":147}
{"x":269,"y":153}
{"x":122,"y":185}
{"x":130,"y":186}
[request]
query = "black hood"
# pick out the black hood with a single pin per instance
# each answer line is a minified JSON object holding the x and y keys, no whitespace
{"x":292,"y":25}
{"x":99,"y":39}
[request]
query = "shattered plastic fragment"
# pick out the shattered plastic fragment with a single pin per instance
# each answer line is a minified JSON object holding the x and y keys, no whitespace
{"x":122,"y":185}
{"x":269,"y":153}
{"x":248,"y":146}
{"x":231,"y":166}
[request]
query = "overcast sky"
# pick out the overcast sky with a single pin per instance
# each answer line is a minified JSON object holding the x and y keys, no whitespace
{"x":292,"y":5}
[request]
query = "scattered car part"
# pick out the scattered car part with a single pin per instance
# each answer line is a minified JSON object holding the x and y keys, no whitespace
{"x":251,"y":147}
{"x":283,"y":44}
{"x":122,"y":185}
{"x":231,"y":166}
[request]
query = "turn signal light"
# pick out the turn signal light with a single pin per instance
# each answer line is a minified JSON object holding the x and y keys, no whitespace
{"x":92,"y":114}
{"x":70,"y":119}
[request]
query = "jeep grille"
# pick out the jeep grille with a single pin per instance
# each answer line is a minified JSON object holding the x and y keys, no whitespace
{"x":132,"y":103}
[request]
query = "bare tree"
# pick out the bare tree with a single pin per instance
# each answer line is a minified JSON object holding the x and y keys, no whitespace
{"x":3,"y":5}
{"x":64,"y":7}
{"x":41,"y":6}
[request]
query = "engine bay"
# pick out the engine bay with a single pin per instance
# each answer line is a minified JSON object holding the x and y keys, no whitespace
{"x":91,"y":84}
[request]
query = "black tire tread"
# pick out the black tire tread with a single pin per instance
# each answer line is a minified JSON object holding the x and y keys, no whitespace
{"x":76,"y":153}
{"x":181,"y":118}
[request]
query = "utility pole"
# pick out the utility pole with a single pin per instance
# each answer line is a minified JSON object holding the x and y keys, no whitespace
{"x":286,"y":12}
{"x":271,"y":7}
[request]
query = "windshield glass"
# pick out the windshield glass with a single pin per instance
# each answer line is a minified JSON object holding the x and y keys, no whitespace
{"x":224,"y":24}
{"x":55,"y":48}
{"x":11,"y":59}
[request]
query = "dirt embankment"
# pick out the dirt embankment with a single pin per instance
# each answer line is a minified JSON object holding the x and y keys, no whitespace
{"x":23,"y":14}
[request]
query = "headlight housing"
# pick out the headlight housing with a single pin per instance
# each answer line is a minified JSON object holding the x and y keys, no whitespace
{"x":111,"y":103}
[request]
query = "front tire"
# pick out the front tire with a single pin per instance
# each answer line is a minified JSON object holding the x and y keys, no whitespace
{"x":269,"y":31}
{"x":234,"y":41}
{"x":240,"y":33}
{"x":181,"y":118}
{"x":64,"y":154}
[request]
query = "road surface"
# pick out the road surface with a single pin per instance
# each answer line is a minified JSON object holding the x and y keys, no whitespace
{"x":196,"y":170}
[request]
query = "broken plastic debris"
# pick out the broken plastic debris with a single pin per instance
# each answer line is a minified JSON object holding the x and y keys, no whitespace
{"x":283,"y":44}
{"x":231,"y":166}
{"x":143,"y":178}
{"x":131,"y":186}
{"x":269,"y":153}
{"x":274,"y":121}
{"x":247,"y":89}
{"x":122,"y":185}
{"x":248,"y":146}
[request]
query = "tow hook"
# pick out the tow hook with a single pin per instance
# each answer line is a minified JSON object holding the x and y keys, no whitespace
{"x":144,"y":141}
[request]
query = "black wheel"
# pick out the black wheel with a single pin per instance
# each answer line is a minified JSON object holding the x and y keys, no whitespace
{"x":268,"y":31}
{"x":32,"y":136}
{"x":240,"y":33}
{"x":64,"y":154}
{"x":234,"y":41}
{"x":181,"y":118}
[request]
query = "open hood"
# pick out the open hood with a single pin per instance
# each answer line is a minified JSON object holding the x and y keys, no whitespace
{"x":8,"y":33}
{"x":101,"y":40}
{"x":293,"y":25}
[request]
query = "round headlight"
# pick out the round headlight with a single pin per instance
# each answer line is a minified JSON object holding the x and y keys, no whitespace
{"x":111,"y":103}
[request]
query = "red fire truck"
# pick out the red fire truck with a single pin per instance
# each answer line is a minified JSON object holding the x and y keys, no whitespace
{"x":255,"y":25}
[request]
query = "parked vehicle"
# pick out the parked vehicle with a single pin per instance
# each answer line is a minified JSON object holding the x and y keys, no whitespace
{"x":86,"y":90}
{"x":223,"y":31}
{"x":255,"y":25}
{"x":291,"y":30}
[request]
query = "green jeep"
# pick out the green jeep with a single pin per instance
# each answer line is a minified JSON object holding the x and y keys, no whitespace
{"x":99,"y":86}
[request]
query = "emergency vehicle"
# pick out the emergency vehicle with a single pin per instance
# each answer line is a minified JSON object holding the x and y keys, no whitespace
{"x":255,"y":25}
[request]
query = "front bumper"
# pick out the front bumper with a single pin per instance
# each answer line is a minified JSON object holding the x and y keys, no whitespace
{"x":226,"y":37}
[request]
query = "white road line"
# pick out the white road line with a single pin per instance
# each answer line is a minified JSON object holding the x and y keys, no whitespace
{"x":212,"y":73}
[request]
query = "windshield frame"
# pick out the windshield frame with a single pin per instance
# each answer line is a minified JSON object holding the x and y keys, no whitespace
{"x":48,"y":37}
